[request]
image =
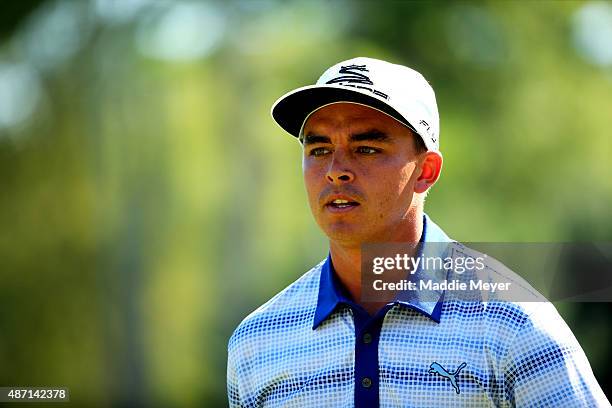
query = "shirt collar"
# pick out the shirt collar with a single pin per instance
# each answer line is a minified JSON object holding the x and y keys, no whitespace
{"x":429,"y":303}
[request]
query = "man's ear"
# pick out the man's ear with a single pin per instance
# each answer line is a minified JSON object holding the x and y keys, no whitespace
{"x":431,"y":166}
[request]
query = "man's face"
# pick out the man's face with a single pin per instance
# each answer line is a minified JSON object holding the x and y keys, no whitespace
{"x":360,"y":168}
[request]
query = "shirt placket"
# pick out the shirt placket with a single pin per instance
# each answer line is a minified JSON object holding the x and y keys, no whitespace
{"x":367,"y":335}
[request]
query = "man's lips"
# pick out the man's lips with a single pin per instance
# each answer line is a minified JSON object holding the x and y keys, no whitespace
{"x":340,"y":203}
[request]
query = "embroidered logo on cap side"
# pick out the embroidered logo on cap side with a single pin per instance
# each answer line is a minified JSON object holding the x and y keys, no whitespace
{"x":428,"y":130}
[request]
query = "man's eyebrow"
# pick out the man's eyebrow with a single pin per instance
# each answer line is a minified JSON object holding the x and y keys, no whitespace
{"x":370,"y":135}
{"x":312,"y":138}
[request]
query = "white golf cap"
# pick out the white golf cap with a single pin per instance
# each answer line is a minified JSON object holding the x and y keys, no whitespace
{"x":395,"y":90}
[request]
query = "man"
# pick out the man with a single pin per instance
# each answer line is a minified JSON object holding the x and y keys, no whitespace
{"x":369,"y":131}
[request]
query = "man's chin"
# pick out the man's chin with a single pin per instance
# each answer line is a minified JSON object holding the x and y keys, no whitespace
{"x":347,"y":234}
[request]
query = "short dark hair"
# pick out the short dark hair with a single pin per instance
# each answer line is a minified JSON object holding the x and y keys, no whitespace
{"x":419,"y":144}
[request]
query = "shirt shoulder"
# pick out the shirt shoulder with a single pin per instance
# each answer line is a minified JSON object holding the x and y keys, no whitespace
{"x":498,"y":304}
{"x":296,"y":303}
{"x":538,"y":360}
{"x":545,"y":364}
{"x":503,"y":283}
{"x":491,"y":292}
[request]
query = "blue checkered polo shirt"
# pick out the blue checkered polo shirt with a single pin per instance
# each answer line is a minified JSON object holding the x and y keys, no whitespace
{"x":311,"y":346}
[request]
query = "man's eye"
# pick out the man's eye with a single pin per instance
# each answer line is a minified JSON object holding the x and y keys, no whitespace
{"x":367,"y":150}
{"x":319,"y":151}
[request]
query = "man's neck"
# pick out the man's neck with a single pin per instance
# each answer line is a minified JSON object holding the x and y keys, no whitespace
{"x":346,"y":258}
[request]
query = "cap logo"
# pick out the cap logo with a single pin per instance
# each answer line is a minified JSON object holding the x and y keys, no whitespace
{"x":427,"y":130}
{"x":351,"y":75}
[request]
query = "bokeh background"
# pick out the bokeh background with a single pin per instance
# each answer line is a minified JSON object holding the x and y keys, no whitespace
{"x":148,"y":202}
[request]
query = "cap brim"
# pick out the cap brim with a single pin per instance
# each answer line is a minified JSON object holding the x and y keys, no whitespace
{"x":291,"y":110}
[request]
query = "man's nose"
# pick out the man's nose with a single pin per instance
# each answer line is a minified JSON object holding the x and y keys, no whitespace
{"x":339,"y":171}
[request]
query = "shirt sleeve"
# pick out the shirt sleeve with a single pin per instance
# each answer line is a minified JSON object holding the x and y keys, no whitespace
{"x":546,"y":366}
{"x":233,"y":394}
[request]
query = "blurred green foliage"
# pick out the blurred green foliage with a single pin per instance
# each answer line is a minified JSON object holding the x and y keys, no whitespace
{"x":149,"y":202}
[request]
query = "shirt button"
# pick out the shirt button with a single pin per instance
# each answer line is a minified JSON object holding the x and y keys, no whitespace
{"x":366,"y":382}
{"x":367,"y":338}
